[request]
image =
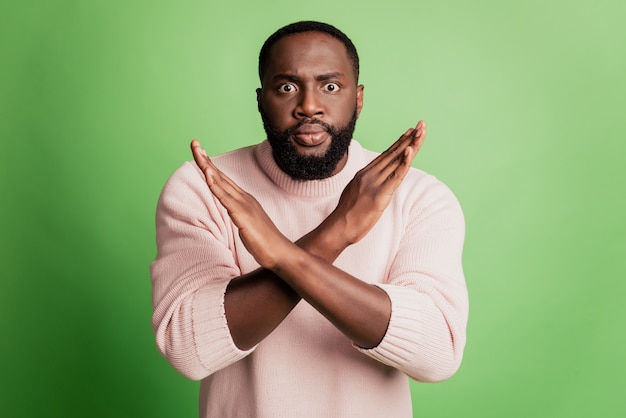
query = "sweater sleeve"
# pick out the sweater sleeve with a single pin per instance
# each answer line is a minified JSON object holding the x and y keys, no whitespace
{"x":194,"y":264}
{"x":426,"y":334}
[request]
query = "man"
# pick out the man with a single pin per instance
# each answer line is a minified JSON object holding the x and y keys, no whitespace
{"x":306,"y":276}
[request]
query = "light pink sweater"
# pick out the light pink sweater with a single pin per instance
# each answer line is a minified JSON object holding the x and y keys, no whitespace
{"x":306,"y":367}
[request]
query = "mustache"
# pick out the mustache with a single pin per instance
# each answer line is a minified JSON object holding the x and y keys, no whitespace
{"x":311,"y":121}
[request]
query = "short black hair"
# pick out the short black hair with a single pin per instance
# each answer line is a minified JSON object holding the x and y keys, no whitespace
{"x":308,"y":26}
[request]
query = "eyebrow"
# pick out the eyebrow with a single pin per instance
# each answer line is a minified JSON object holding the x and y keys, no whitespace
{"x":328,"y":76}
{"x":295,"y":78}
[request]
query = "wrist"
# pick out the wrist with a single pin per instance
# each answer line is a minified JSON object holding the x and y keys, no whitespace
{"x":326,"y":241}
{"x":334,"y":232}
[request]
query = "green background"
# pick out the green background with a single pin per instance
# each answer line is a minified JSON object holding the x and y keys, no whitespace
{"x":525,"y":103}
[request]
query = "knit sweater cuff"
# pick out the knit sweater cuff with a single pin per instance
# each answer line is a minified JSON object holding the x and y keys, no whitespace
{"x":404,"y":338}
{"x":213,"y":341}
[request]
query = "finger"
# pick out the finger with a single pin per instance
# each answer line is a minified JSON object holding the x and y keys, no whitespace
{"x":203,"y":161}
{"x":417,"y":142}
{"x":207,"y":166}
{"x":397,"y":167}
{"x":394,"y":147}
{"x":421,"y":128}
{"x":410,"y":152}
{"x":382,"y":160}
{"x":405,"y":140}
{"x":409,"y":138}
{"x":224,"y":189}
{"x":200,"y":156}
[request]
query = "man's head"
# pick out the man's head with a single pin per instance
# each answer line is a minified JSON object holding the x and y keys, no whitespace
{"x":309,"y":99}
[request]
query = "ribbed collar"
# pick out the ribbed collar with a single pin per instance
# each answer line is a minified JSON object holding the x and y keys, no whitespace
{"x":311,"y":188}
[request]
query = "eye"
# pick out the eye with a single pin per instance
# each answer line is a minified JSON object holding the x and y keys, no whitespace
{"x":287,"y":88}
{"x":331,"y":87}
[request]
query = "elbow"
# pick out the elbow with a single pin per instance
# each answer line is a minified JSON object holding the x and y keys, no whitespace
{"x":195,"y":346}
{"x":190,"y":371}
{"x":439,"y":368}
{"x":179,"y":350}
{"x":183,"y":361}
{"x":439,"y":373}
{"x":191,"y":374}
{"x":196,"y":356}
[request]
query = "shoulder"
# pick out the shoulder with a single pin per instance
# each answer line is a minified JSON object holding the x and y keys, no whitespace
{"x":185,"y":179}
{"x":418,"y":184}
{"x":184,"y":195}
{"x":189,"y":176}
{"x":427,"y":184}
{"x":238,"y":157}
{"x":418,"y":187}
{"x":426,"y":197}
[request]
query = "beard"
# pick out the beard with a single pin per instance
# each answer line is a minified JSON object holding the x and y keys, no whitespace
{"x":309,"y":167}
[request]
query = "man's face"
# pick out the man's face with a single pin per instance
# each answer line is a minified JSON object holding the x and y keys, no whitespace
{"x":309,"y":102}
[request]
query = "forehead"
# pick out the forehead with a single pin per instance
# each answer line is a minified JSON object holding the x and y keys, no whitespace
{"x":308,"y":53}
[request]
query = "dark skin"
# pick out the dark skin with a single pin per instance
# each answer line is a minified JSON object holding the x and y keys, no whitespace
{"x":310,"y":76}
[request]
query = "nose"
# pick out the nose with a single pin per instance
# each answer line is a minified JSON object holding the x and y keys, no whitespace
{"x":309,"y":105}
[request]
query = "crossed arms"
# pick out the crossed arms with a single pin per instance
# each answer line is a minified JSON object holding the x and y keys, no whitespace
{"x":257,"y":302}
{"x":208,"y":315}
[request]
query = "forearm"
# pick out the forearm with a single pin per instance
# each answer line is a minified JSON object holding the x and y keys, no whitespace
{"x":358,"y":309}
{"x":257,"y":302}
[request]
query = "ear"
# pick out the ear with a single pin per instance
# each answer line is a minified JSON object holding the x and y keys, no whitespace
{"x":359,"y":99}
{"x":258,"y":99}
